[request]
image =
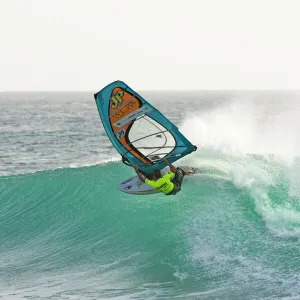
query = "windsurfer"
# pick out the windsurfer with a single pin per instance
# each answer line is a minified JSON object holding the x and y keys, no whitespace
{"x":164,"y":183}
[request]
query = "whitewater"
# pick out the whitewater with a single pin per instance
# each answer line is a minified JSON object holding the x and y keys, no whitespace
{"x":232,"y":232}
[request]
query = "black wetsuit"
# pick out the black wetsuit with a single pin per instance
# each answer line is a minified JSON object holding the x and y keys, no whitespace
{"x":177,"y":180}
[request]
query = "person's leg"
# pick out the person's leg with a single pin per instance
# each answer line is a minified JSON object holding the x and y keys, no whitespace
{"x":175,"y":190}
{"x":177,"y":180}
{"x":178,"y":177}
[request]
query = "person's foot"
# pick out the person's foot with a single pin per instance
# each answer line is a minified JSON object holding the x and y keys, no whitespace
{"x":191,"y":171}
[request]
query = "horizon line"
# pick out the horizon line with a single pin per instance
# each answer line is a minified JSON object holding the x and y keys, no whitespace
{"x":158,"y":90}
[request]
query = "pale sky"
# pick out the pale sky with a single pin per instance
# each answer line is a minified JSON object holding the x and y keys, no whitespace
{"x":157,"y":44}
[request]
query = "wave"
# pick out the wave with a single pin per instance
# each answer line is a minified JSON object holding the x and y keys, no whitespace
{"x":74,"y":221}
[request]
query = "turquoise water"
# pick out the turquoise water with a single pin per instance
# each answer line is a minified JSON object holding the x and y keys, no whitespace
{"x":233,"y":231}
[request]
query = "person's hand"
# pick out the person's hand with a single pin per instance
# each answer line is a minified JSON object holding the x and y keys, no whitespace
{"x":135,"y":167}
{"x":164,"y":160}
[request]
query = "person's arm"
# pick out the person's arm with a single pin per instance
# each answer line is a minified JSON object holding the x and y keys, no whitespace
{"x":140,"y":176}
{"x":172,"y":168}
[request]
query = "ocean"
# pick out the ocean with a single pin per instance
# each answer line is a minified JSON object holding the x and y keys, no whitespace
{"x":232,"y":232}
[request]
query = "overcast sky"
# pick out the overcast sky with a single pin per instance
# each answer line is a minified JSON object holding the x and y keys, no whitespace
{"x":155,"y":44}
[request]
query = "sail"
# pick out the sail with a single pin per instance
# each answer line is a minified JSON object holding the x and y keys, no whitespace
{"x":138,"y":131}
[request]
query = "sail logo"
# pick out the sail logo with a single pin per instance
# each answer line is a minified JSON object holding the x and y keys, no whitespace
{"x":135,"y":114}
{"x":120,"y":133}
{"x":116,"y":99}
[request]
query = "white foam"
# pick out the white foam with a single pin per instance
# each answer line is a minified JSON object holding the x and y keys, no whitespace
{"x":76,"y":165}
{"x":247,"y":127}
{"x":227,"y":135}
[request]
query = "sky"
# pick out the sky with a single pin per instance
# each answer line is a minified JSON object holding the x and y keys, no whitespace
{"x":82,"y":45}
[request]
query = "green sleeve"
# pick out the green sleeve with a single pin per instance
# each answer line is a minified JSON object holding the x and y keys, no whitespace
{"x":169,"y":175}
{"x":151,"y":182}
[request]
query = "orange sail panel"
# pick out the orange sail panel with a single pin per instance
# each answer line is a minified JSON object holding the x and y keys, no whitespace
{"x":121,"y":105}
